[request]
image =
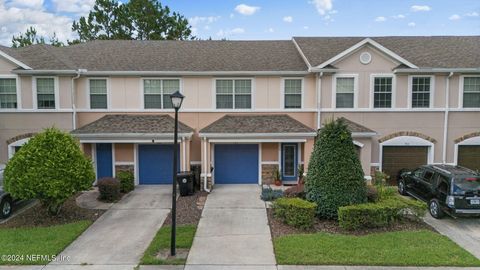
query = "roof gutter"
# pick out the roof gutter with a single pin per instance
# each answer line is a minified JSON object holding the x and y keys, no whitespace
{"x":258,"y":135}
{"x":323,"y":70}
{"x":130,"y":135}
{"x":363,"y":134}
{"x":162,"y":73}
{"x":436,"y":70}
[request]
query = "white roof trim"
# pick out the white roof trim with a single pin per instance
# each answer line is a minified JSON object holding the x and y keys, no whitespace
{"x":129,"y":135}
{"x":305,"y":59}
{"x":13,"y":60}
{"x":360,"y":44}
{"x":258,"y":135}
{"x":165,"y":73}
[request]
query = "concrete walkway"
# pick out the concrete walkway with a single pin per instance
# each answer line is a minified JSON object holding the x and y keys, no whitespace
{"x":233,"y":232}
{"x":463,"y":231}
{"x":119,"y":237}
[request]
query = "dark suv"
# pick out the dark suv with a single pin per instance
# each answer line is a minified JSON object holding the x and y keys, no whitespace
{"x":447,"y":189}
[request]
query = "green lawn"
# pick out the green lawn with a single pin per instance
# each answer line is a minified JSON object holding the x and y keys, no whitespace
{"x":161,"y":241}
{"x":18,"y":245}
{"x":407,"y":248}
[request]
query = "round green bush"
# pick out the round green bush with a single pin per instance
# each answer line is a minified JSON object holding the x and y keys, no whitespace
{"x":127,"y":181}
{"x":335,"y":176}
{"x":50,"y":167}
{"x":109,"y":189}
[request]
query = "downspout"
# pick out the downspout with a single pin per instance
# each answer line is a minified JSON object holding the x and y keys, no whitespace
{"x":205,"y":163}
{"x":73,"y":100}
{"x":319,"y":99}
{"x":445,"y":119}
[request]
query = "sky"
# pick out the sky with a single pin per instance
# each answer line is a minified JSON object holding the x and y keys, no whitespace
{"x":262,"y":19}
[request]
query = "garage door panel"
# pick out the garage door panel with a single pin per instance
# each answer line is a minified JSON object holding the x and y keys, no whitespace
{"x":469,"y":156}
{"x":155,"y":164}
{"x":396,"y":158}
{"x":236,"y":163}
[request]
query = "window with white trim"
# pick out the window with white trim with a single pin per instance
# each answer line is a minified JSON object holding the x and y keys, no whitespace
{"x":8,"y":93}
{"x":157,"y":92}
{"x":98,"y":94}
{"x":382,"y":92}
{"x":234,"y":94}
{"x":421,"y":92}
{"x":471,"y":92}
{"x":45,"y":93}
{"x":293,"y":93}
{"x":345,"y":92}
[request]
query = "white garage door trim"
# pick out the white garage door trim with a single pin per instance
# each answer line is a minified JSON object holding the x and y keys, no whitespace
{"x":407,"y":141}
{"x":469,"y":141}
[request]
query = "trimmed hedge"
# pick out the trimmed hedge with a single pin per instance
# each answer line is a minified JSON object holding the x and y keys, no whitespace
{"x":380,"y":214}
{"x":295,"y":212}
{"x":109,"y":189}
{"x":127,"y":181}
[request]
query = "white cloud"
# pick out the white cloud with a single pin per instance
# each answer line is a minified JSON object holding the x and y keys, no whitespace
{"x":472,"y":14}
{"x":246,"y":10}
{"x":416,"y":8}
{"x":399,"y":16}
{"x":288,"y":19}
{"x":32,"y":4}
{"x":232,"y":15}
{"x":199,"y":21}
{"x":322,"y":6}
{"x":82,"y":7}
{"x":230,"y":32}
{"x":270,"y":30}
{"x":411,"y":24}
{"x":454,"y":17}
{"x":380,"y":19}
{"x":306,"y":27}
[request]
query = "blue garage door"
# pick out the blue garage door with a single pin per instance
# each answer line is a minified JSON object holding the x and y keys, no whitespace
{"x":155,"y":163}
{"x":104,"y":160}
{"x":236,"y":164}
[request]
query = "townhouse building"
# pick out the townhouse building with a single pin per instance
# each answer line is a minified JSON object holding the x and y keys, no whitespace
{"x":251,"y":107}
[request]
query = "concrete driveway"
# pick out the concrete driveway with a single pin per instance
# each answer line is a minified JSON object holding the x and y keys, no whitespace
{"x":233,"y":232}
{"x":121,"y":235}
{"x":463,"y":231}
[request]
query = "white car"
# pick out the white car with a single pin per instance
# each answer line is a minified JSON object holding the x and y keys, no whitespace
{"x":6,"y":201}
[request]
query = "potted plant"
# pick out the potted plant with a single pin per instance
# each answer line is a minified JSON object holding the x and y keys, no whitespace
{"x":277,"y":178}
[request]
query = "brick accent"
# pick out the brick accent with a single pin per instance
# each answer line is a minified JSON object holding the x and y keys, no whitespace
{"x":20,"y":137}
{"x":267,"y":173}
{"x":373,"y":169}
{"x":129,"y":168}
{"x":407,"y":133}
{"x":467,"y":136}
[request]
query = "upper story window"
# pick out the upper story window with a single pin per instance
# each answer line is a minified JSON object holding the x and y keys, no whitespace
{"x":157,"y":92}
{"x":382,"y":92}
{"x":345,"y":92}
{"x":234,"y":94}
{"x":98,"y":93}
{"x":471,"y":92}
{"x":421,"y":88}
{"x":293,"y":93}
{"x":8,"y":93}
{"x":45,"y":93}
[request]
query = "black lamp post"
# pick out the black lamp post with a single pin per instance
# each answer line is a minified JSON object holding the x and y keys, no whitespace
{"x":177,"y":100}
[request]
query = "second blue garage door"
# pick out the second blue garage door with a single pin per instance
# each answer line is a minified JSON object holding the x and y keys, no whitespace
{"x":236,"y":163}
{"x":155,"y":163}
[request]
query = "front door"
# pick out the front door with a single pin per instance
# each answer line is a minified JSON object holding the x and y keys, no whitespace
{"x":289,"y":162}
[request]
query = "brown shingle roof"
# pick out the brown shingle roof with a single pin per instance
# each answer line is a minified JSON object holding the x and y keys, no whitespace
{"x":132,"y":123}
{"x":423,"y":51}
{"x":355,"y":127}
{"x":279,"y":123}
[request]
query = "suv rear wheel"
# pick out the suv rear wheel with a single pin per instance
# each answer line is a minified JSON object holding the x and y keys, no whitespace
{"x":435,"y":209}
{"x":6,"y":207}
{"x":401,"y":187}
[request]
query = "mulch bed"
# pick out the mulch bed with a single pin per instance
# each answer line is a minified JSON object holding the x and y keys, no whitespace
{"x":39,"y":216}
{"x":278,"y":228}
{"x":189,"y":209}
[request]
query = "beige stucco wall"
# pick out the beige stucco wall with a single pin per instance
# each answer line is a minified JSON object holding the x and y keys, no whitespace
{"x":124,"y":152}
{"x":27,"y":95}
{"x":198,"y":92}
{"x":65,"y":92}
{"x":269,"y":151}
{"x":125,"y":92}
{"x":6,"y":66}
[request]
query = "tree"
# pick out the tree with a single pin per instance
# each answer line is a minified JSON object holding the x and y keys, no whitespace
{"x":30,"y":37}
{"x":135,"y":20}
{"x":50,"y":167}
{"x":335,"y":176}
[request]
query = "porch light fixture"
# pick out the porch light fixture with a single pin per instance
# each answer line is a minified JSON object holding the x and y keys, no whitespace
{"x":177,"y":100}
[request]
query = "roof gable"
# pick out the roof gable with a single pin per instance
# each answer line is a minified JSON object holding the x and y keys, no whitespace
{"x":6,"y":53}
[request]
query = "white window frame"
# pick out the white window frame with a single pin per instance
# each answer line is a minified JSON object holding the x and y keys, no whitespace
{"x":252,"y":94}
{"x":17,"y":90}
{"x":56,"y":92}
{"x":355,"y":90}
{"x":11,"y":147}
{"x":461,"y":89}
{"x":142,"y":92}
{"x":372,"y":89}
{"x":410,"y":91}
{"x":282,"y":92}
{"x":108,"y":92}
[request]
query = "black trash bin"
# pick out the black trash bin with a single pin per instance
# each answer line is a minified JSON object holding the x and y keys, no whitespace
{"x":185,"y":182}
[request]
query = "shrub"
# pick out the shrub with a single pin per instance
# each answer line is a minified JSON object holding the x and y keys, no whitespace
{"x":269,"y":194}
{"x":127,"y":181}
{"x":335,"y":175}
{"x":109,"y":189}
{"x":372,"y":194}
{"x":50,"y":167}
{"x":295,"y":212}
{"x":297,"y":191}
{"x":381,"y":214}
